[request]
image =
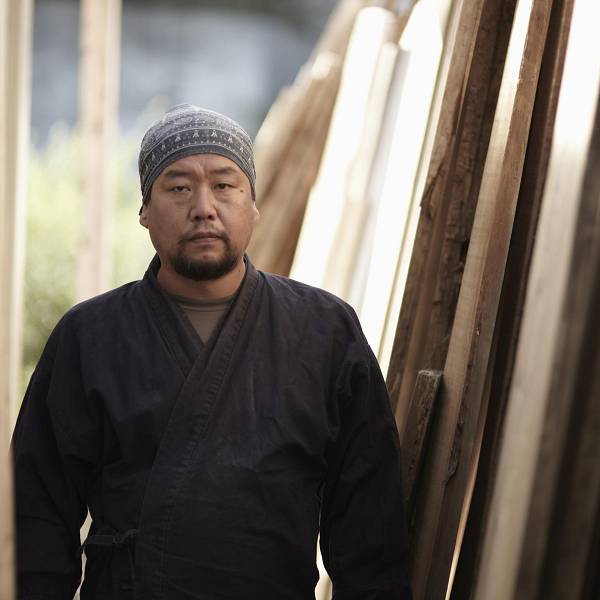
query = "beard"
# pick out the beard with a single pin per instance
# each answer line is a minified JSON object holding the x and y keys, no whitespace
{"x":204,"y":269}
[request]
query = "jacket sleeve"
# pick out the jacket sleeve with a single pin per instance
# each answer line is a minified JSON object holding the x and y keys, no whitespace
{"x":363,"y":534}
{"x":50,"y":477}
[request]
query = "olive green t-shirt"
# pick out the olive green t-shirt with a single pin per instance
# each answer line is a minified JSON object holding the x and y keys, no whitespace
{"x":203,"y":314}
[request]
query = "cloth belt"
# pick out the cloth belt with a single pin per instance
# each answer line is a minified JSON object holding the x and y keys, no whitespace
{"x":108,"y":537}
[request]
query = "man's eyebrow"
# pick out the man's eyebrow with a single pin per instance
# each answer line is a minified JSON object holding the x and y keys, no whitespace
{"x":173,"y":174}
{"x":224,"y":171}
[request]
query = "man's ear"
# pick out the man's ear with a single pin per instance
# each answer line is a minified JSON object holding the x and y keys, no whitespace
{"x":256,"y":215}
{"x":144,"y":215}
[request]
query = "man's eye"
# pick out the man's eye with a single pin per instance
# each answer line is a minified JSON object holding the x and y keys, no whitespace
{"x":222,"y":186}
{"x":179,"y":188}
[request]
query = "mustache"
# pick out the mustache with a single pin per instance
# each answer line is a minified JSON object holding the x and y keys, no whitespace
{"x":198,"y":235}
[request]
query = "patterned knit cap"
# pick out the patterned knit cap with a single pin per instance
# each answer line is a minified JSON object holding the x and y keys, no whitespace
{"x":185,"y":130}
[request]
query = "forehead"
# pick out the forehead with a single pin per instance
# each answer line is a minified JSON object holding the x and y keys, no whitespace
{"x":201,"y":164}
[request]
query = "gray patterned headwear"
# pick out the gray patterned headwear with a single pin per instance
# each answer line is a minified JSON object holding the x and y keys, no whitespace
{"x":185,"y":130}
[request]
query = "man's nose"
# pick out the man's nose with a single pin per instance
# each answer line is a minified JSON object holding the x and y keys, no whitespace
{"x":203,"y":206}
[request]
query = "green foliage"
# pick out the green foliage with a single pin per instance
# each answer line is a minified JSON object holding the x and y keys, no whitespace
{"x":53,"y":229}
{"x":52,"y":235}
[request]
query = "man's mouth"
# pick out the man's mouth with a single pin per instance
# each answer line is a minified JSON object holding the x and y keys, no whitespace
{"x":203,"y":237}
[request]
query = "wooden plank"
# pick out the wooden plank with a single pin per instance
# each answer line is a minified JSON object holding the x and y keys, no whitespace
{"x":455,"y":65}
{"x":325,"y":205}
{"x":592,"y":583}
{"x":7,"y":579}
{"x":100,"y":36}
{"x":535,"y":433}
{"x":339,"y":26}
{"x":277,"y":131}
{"x":414,"y":443}
{"x":290,"y":145}
{"x":358,"y":207}
{"x":566,"y":490}
{"x":567,"y":565}
{"x":471,"y":339}
{"x":395,"y":183}
{"x":446,"y":89}
{"x":16,"y":101}
{"x":513,"y":292}
{"x":478,"y":121}
{"x":274,"y":241}
{"x":15,"y":90}
{"x":6,"y":211}
{"x":450,"y":195}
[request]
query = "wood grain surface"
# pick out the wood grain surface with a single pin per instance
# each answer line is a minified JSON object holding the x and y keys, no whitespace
{"x":538,"y":461}
{"x":100,"y":35}
{"x":16,"y":21}
{"x":513,"y":292}
{"x":449,"y":198}
{"x":472,"y":332}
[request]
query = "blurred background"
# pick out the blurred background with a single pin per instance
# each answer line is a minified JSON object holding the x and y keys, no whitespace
{"x":233,"y":55}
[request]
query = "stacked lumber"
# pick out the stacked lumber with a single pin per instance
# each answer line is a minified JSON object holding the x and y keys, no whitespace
{"x":493,"y":372}
{"x":353,"y":135}
{"x":379,"y":139}
{"x":541,"y":539}
{"x":290,"y":145}
{"x":399,"y":177}
{"x":469,"y":347}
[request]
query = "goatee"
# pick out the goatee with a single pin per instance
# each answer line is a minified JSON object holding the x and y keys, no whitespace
{"x":206,"y":269}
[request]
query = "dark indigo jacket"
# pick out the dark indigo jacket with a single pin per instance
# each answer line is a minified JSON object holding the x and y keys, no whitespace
{"x":223,"y":461}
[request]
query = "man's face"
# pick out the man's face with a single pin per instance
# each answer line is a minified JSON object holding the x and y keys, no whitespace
{"x":200,"y":216}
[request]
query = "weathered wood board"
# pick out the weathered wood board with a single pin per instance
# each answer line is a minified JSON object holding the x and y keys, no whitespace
{"x":471,"y":339}
{"x":513,"y":292}
{"x":414,"y":443}
{"x":543,"y":465}
{"x":449,"y":198}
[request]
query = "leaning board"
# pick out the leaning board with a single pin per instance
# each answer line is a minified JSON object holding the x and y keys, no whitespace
{"x":552,"y":336}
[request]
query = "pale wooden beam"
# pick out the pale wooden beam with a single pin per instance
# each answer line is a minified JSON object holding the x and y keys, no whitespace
{"x":15,"y":91}
{"x":279,"y":129}
{"x":341,"y":270}
{"x":397,"y":179}
{"x":327,"y":198}
{"x":15,"y":79}
{"x":100,"y":32}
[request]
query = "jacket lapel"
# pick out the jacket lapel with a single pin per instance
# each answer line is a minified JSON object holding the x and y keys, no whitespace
{"x":187,"y":424}
{"x":185,"y":348}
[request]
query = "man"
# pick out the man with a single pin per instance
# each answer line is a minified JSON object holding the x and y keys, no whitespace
{"x":212,"y":418}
